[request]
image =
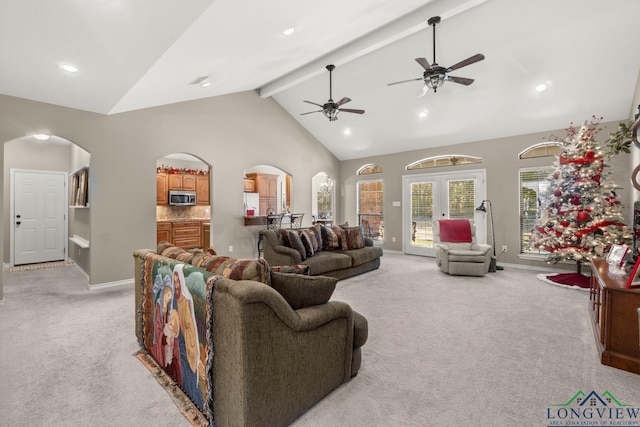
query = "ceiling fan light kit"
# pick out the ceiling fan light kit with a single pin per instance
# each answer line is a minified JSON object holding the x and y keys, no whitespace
{"x":330,"y":109}
{"x":434,"y":75}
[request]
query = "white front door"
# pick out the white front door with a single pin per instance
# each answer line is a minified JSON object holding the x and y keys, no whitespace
{"x":39,"y":216}
{"x":429,"y":197}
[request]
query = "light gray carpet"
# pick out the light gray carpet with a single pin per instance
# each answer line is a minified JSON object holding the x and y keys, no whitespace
{"x":442,"y":350}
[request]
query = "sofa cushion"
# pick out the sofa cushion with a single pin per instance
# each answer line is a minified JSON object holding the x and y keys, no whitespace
{"x":303,"y":291}
{"x":316,"y":235}
{"x":326,"y":261}
{"x":364,"y":255}
{"x":352,"y":238}
{"x":295,"y":242}
{"x":298,"y":269}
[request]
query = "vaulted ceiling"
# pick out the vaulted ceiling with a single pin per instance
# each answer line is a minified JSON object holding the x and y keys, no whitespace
{"x":138,"y":54}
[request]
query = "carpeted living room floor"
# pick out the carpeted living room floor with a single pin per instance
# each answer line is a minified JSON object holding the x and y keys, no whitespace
{"x":442,"y":350}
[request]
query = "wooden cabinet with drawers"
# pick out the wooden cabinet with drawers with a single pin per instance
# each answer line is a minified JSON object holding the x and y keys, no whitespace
{"x":163,"y":232}
{"x":186,"y":234}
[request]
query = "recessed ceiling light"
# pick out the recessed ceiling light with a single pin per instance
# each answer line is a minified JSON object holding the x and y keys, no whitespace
{"x":288,"y":31}
{"x":541,"y":87}
{"x":423,"y":114}
{"x":69,"y":68}
{"x":205,"y":84}
{"x":347,"y":131}
{"x":41,"y":136}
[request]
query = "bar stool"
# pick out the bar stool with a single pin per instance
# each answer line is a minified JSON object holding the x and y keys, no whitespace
{"x":296,"y":220}
{"x":274,"y":222}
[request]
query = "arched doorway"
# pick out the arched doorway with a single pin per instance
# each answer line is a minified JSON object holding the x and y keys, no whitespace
{"x":183,"y":201}
{"x":41,"y":164}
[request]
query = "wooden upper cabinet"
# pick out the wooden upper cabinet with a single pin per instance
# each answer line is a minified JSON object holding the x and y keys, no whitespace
{"x":175,"y":181}
{"x":249,"y":185}
{"x":162,"y":189}
{"x":188,"y":182}
{"x":182,"y":181}
{"x":202,"y":190}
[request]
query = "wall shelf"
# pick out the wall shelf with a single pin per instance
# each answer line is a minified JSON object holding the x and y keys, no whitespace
{"x":83,"y":243}
{"x":80,"y":188}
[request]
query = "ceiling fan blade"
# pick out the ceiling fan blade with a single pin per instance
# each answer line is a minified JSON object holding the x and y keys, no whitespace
{"x":472,"y":60}
{"x":343,"y":101}
{"x":404,"y":81}
{"x":424,"y":63}
{"x":309,"y":112}
{"x":351,"y":110}
{"x":462,"y":80}
{"x":423,"y":91}
{"x":319,"y":105}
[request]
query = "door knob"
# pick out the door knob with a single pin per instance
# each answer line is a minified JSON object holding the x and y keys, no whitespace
{"x":17,"y":216}
{"x":17,"y":222}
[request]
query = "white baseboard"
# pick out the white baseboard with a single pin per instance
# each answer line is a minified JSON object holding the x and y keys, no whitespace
{"x":125,"y":282}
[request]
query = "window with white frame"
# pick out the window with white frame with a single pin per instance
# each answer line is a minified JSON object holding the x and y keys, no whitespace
{"x":370,"y":212}
{"x":533,"y":183}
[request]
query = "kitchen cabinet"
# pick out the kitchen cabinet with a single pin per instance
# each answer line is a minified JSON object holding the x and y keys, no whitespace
{"x":206,"y":235}
{"x":202,"y":190}
{"x":186,"y":234}
{"x":266,"y":185}
{"x":182,"y":182}
{"x":163,"y":232}
{"x":162,"y":189}
{"x":249,"y":185}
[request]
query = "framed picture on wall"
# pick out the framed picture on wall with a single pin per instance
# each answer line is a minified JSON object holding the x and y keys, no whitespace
{"x":616,"y":255}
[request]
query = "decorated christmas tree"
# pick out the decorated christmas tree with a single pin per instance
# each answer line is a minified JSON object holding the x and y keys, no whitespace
{"x":580,"y":214}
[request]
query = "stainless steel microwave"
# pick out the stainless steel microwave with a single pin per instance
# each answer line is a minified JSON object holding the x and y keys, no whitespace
{"x":182,"y":198}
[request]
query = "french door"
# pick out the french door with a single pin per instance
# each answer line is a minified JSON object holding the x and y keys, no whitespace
{"x":428,"y":197}
{"x":38,"y":216}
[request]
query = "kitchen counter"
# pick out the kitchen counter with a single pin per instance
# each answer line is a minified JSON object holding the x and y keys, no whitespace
{"x":184,"y":220}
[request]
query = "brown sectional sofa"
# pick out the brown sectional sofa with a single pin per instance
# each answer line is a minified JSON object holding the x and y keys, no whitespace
{"x":340,"y":252}
{"x":280,"y":344}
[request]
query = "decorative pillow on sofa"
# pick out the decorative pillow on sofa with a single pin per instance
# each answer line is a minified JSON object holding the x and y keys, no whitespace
{"x":295,"y":242}
{"x":307,"y":242}
{"x":331,"y":236}
{"x":352,"y":238}
{"x":171,"y":251}
{"x":303,"y":291}
{"x":316,"y":237}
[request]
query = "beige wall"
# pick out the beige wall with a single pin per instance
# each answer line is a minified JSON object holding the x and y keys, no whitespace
{"x":234,"y":133}
{"x":222,"y":131}
{"x":500,"y":160}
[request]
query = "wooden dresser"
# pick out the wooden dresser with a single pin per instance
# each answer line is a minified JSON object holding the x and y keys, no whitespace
{"x":614,"y":314}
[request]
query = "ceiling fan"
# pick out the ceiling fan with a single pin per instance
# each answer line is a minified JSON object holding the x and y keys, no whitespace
{"x":331,"y":109}
{"x":434,"y":75}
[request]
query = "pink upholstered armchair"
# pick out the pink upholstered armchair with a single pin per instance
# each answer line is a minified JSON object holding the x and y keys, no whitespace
{"x":457,"y":250}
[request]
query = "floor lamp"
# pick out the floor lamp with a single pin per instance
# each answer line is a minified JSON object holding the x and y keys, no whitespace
{"x":492,"y":266}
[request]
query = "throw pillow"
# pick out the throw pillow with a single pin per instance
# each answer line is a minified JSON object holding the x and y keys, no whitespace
{"x":316,"y":235}
{"x":303,"y":291}
{"x":352,"y":238}
{"x":307,"y":242}
{"x":296,"y":243}
{"x":330,"y":240}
